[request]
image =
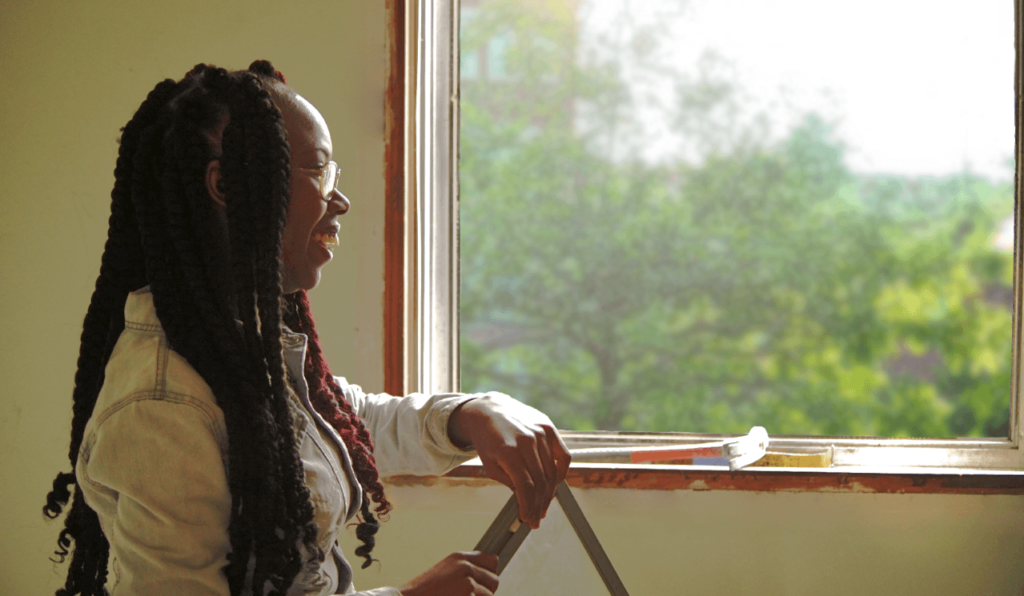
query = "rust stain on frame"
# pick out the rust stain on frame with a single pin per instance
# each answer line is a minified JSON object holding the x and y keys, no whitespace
{"x":446,"y":481}
{"x":394,"y":201}
{"x":774,"y":480}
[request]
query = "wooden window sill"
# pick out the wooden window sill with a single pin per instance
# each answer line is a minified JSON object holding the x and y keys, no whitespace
{"x":702,"y":478}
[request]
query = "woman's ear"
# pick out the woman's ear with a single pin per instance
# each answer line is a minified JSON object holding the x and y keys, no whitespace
{"x":213,"y":182}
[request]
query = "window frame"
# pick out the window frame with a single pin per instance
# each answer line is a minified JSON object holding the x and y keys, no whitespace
{"x":421,"y":340}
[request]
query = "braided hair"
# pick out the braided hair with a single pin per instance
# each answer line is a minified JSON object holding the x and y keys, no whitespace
{"x":163,"y":233}
{"x":329,"y":400}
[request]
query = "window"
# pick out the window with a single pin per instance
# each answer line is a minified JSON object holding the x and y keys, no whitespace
{"x":857,"y":354}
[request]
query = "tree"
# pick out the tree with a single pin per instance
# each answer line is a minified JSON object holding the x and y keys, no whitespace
{"x":762,"y":283}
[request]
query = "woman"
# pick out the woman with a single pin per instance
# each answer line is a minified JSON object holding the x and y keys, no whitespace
{"x":212,"y":450}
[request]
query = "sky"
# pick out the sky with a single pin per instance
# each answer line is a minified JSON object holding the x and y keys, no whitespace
{"x":913,"y":87}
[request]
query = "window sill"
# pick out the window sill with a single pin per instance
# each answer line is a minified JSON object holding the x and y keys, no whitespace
{"x":703,"y":478}
{"x":879,"y":455}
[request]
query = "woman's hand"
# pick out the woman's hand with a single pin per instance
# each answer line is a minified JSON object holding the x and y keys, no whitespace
{"x":458,"y":574}
{"x":518,"y":446}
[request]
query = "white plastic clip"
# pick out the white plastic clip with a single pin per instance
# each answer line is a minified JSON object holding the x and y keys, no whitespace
{"x":745,"y":450}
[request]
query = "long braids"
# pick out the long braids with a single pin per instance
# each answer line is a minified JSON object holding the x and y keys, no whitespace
{"x":159,"y":234}
{"x":104,"y":319}
{"x":256,"y":216}
{"x":329,"y":401}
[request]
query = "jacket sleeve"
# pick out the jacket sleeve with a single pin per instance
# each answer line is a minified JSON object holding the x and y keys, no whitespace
{"x":410,"y":434}
{"x":153,"y":470}
{"x":377,"y":592}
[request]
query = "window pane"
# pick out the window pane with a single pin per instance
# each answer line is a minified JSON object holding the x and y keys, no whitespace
{"x":707,"y":215}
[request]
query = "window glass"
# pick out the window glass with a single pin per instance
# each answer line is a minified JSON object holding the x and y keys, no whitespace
{"x":708,"y":215}
{"x":469,"y":66}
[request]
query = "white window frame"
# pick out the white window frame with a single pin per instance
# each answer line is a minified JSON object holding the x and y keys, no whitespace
{"x":432,"y":328}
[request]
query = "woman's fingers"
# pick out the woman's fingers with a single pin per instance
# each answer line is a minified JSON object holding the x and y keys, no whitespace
{"x":551,"y":478}
{"x":495,"y":471}
{"x":559,"y":452}
{"x":518,"y":446}
{"x":458,"y":574}
{"x":487,"y":561}
{"x":515,"y":466}
{"x":535,"y":467}
{"x":476,"y":570}
{"x":484,"y":567}
{"x":546,"y":460}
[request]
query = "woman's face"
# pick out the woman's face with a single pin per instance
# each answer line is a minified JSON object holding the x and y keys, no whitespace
{"x":311,"y":231}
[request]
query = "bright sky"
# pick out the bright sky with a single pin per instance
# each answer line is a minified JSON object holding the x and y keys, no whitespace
{"x":915,"y":87}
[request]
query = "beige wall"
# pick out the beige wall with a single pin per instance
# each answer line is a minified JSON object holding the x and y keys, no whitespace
{"x":73,"y":73}
{"x":729,"y":543}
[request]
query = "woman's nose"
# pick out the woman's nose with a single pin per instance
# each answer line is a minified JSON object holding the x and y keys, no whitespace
{"x":339,"y":202}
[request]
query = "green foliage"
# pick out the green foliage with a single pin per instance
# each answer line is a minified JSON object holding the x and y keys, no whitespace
{"x":763,"y":284}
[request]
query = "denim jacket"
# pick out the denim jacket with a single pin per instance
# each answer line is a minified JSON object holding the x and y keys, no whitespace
{"x":153,"y":464}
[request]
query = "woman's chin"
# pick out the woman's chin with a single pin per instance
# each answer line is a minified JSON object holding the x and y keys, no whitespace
{"x":292,"y":280}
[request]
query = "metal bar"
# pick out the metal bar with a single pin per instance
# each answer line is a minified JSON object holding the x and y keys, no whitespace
{"x":505,"y":534}
{"x":590,"y":542}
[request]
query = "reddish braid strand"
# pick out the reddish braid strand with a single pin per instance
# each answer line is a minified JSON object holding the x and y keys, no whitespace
{"x":329,"y":401}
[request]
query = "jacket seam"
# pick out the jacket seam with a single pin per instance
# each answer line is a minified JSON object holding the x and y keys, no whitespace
{"x":145,"y":327}
{"x":327,"y":458}
{"x":162,"y":354}
{"x":157,"y":395}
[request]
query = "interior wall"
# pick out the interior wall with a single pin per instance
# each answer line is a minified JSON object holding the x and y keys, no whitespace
{"x":73,"y":75}
{"x":74,"y":72}
{"x":730,"y":543}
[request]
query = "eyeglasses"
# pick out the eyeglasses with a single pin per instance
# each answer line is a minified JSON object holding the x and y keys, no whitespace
{"x":329,"y":178}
